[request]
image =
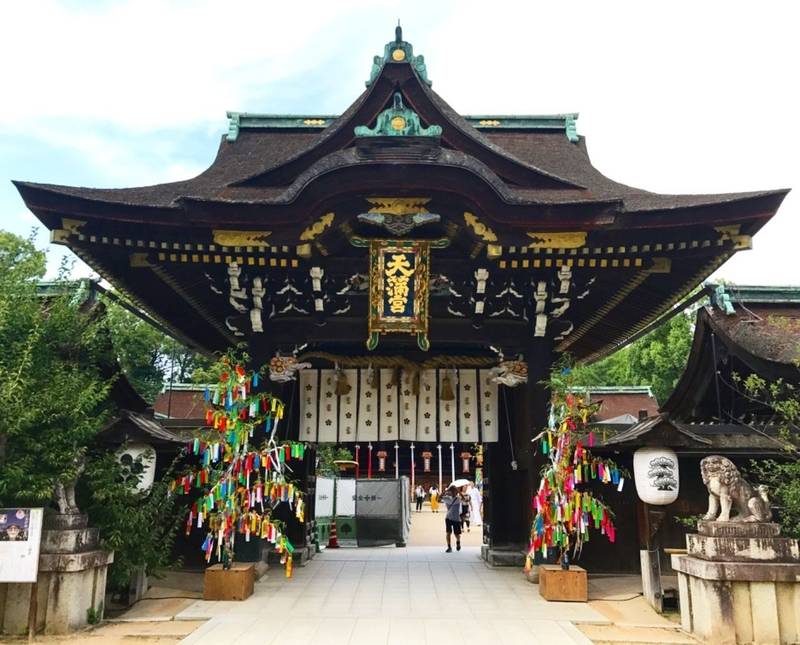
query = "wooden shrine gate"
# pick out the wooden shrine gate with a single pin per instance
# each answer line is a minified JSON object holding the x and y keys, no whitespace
{"x":402,"y":229}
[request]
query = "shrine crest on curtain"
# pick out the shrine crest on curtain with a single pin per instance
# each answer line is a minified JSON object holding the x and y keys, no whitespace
{"x":398,"y":289}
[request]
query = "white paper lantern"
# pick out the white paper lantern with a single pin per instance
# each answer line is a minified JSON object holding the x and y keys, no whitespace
{"x":138,"y":462}
{"x":655,"y":471}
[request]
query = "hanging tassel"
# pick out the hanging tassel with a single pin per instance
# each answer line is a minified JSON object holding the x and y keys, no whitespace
{"x":342,"y":386}
{"x":447,"y":393}
{"x":372,"y":377}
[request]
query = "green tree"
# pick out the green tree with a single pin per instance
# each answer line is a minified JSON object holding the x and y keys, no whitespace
{"x":327,"y":453}
{"x":53,"y":399}
{"x":139,"y":527}
{"x":657,"y":360}
{"x":148,"y":357}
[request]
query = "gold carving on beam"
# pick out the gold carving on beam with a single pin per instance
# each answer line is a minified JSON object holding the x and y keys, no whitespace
{"x":479,"y":228}
{"x":313,"y":121}
{"x":557,"y":240}
{"x":489,"y":122}
{"x":731,"y":233}
{"x":398,"y":205}
{"x":140,"y":260}
{"x":225,"y":237}
{"x":59,"y":236}
{"x":317,"y":227}
{"x":72,"y":225}
{"x":728,"y":232}
{"x":661,"y":265}
{"x":303,"y":250}
{"x":494,"y":251}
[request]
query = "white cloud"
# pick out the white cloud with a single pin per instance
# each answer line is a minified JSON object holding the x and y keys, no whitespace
{"x":681,"y":97}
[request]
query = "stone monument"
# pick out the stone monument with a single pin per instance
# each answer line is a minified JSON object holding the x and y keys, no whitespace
{"x":71,"y":584}
{"x":740,"y":580}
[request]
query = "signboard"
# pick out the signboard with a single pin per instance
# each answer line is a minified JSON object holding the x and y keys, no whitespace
{"x":323,"y":504}
{"x":20,"y":537}
{"x":398,"y":289}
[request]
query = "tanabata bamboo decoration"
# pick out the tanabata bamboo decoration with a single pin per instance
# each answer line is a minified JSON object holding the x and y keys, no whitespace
{"x":564,"y":509}
{"x":241,"y":485}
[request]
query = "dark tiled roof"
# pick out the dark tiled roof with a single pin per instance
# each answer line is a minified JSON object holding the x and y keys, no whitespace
{"x":128,"y":424}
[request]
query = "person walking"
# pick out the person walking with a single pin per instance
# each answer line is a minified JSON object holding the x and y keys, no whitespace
{"x":475,"y":504}
{"x":434,"y":497}
{"x":420,"y":497}
{"x":464,"y":509}
{"x":452,"y":518}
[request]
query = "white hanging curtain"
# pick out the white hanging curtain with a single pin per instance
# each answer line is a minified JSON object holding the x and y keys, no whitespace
{"x":468,"y":431}
{"x":408,"y":407}
{"x":426,"y":417}
{"x":348,"y":413}
{"x":367,"y":409}
{"x":328,"y":407}
{"x":448,"y":410}
{"x":488,"y":406}
{"x":309,"y":398}
{"x":388,"y":409}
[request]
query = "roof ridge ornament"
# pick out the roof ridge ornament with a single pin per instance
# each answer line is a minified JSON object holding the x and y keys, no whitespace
{"x":398,"y":121}
{"x":399,"y":51}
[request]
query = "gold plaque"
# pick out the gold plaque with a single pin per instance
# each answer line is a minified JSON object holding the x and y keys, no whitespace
{"x":398,"y":55}
{"x":398,"y":123}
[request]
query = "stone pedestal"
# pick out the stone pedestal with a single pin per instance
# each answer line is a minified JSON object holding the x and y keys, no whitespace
{"x":740,"y":583}
{"x":71,"y":584}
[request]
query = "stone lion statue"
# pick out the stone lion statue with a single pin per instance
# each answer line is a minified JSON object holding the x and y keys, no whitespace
{"x":727,"y":489}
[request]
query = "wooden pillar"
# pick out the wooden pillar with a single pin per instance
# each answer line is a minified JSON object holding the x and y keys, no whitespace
{"x":511,"y":467}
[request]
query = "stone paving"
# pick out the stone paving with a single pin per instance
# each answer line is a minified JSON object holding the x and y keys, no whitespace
{"x":397,"y":596}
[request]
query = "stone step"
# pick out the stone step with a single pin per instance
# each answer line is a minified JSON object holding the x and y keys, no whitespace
{"x":70,"y":540}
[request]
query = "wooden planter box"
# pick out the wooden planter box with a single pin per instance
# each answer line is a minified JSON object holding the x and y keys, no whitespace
{"x":234,"y":584}
{"x":557,"y":584}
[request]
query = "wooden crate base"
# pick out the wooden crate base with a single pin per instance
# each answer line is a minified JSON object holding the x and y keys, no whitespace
{"x":234,"y":584}
{"x":557,"y":584}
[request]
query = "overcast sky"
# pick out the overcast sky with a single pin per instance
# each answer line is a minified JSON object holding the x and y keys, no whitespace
{"x":674,"y":97}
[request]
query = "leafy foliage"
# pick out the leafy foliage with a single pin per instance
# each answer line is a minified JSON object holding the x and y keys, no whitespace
{"x":139,"y":527}
{"x":148,"y":357}
{"x":783,"y":482}
{"x":53,"y":399}
{"x":327,"y":453}
{"x":657,"y":360}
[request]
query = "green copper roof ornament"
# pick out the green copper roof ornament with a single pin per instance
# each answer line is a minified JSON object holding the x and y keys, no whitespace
{"x":399,"y":51}
{"x":398,"y":121}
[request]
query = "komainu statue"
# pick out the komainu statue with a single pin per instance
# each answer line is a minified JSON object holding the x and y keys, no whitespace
{"x":727,"y":488}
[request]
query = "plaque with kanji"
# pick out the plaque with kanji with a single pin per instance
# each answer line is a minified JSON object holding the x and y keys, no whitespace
{"x":398,"y":287}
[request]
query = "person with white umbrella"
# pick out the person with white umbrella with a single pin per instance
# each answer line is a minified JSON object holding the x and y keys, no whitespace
{"x":452,"y":519}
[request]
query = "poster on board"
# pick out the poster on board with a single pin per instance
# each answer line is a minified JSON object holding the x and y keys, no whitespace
{"x":20,"y":537}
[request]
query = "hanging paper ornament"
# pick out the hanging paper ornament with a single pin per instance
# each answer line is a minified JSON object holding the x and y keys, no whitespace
{"x":466,"y":457}
{"x":381,"y":455}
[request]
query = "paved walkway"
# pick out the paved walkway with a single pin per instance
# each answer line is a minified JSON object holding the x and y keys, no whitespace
{"x":393,"y":596}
